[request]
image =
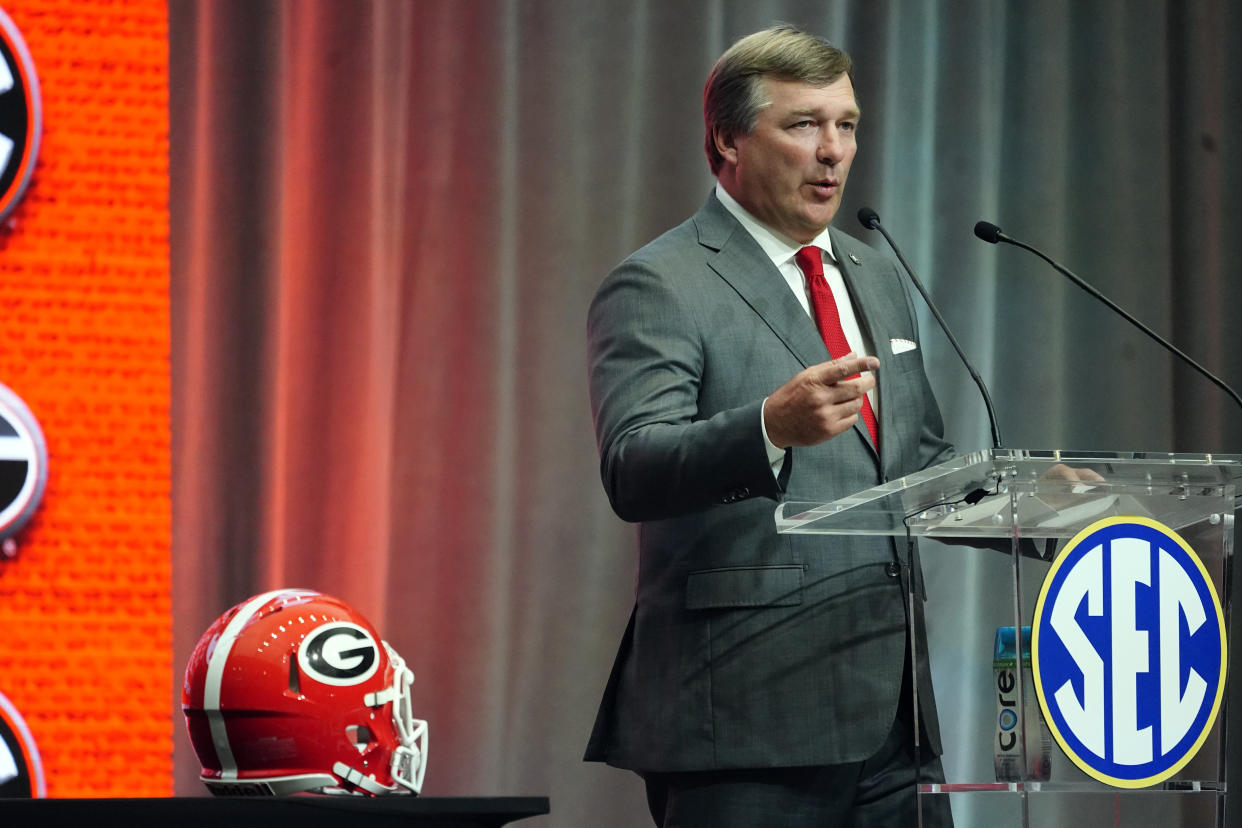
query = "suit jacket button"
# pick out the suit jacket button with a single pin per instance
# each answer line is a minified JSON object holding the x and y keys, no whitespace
{"x":892,"y":569}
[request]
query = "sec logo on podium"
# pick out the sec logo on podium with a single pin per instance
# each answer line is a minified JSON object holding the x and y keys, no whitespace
{"x":1128,"y":651}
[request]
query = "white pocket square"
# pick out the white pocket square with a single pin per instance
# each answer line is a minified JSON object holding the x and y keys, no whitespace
{"x":900,"y":346}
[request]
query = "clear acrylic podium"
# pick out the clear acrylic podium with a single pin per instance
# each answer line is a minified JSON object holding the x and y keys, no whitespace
{"x":1020,"y":508}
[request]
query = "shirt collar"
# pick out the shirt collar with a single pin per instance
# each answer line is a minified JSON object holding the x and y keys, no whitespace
{"x":778,"y":247}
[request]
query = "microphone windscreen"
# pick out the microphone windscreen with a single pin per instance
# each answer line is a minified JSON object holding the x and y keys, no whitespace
{"x":988,"y":231}
{"x":869,"y":218}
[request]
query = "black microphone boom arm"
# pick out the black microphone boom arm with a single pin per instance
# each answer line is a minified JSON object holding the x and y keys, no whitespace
{"x":992,"y":234}
{"x":871,"y":221}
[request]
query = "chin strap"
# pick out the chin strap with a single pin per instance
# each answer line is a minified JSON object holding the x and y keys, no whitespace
{"x":356,"y":778}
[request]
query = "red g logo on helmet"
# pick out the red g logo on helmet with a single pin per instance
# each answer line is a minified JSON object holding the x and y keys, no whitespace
{"x":341,"y":653}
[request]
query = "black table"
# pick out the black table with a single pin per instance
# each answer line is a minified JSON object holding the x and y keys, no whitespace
{"x":305,"y":811}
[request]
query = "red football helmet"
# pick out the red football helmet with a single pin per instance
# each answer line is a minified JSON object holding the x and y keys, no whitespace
{"x":294,"y":691}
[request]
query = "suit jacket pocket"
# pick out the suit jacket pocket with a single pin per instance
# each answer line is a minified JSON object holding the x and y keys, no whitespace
{"x":904,"y":362}
{"x":750,"y":586}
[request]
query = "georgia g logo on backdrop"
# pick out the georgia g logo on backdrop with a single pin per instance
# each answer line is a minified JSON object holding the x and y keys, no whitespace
{"x":21,"y":116}
{"x":1128,"y":651}
{"x":21,"y":768}
{"x":23,"y":464}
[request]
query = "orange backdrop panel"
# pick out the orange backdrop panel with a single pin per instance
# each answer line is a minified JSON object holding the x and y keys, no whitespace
{"x":85,"y":654}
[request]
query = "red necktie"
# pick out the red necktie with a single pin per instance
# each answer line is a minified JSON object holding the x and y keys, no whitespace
{"x":828,"y":319}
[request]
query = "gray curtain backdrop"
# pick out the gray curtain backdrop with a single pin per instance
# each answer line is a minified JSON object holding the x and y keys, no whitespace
{"x":389,"y":217}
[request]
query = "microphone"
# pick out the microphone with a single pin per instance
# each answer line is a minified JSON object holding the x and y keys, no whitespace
{"x":871,"y":220}
{"x":992,"y":234}
{"x":989,"y":232}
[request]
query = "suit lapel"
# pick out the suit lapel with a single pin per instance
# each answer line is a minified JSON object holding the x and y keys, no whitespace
{"x":742,"y":263}
{"x":871,"y":306}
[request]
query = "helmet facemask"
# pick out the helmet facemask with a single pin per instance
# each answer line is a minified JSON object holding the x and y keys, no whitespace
{"x":409,"y":754}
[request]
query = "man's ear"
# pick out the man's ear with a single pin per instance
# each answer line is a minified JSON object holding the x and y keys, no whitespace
{"x":725,"y":145}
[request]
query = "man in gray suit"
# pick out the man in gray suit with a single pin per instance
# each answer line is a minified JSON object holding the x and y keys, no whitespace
{"x":764,"y":679}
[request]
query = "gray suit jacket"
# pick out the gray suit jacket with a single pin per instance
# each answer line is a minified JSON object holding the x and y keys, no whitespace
{"x":747,"y":648}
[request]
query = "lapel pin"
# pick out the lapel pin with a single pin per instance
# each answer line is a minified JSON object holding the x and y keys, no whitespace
{"x":855,"y":259}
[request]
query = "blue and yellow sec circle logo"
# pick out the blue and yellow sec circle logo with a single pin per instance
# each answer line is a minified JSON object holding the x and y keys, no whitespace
{"x":1128,"y":651}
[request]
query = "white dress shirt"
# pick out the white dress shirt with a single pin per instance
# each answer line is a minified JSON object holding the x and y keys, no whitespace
{"x":781,"y":250}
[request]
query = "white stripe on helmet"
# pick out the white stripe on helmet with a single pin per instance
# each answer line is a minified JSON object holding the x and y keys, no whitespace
{"x":215,"y":674}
